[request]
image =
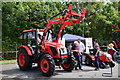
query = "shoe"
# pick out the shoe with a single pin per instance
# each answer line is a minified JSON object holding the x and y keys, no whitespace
{"x":81,"y":69}
{"x":96,"y":69}
{"x":76,"y":69}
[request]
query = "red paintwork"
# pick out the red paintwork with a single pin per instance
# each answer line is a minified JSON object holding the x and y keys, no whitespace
{"x":92,"y":57}
{"x":26,"y":48}
{"x":21,"y":59}
{"x":56,"y":45}
{"x":65,"y":21}
{"x":111,"y":51}
{"x":43,"y":62}
{"x":102,"y":57}
{"x":66,"y":65}
{"x":116,"y":30}
{"x":32,"y":30}
{"x":115,"y":44}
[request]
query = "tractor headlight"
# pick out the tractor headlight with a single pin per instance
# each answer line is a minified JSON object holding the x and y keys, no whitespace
{"x":62,"y":50}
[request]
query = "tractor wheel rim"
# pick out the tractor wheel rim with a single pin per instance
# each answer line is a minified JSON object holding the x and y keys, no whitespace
{"x":66,"y":65}
{"x":44,"y":65}
{"x":21,"y":59}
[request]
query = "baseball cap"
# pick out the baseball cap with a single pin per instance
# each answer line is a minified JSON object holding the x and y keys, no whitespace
{"x":75,"y":42}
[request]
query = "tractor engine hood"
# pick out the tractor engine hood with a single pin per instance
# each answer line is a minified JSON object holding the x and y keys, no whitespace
{"x":56,"y":47}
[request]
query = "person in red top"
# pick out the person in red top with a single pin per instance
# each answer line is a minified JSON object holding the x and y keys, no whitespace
{"x":76,"y":52}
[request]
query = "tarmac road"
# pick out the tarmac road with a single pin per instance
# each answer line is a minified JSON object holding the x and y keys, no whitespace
{"x":11,"y":70}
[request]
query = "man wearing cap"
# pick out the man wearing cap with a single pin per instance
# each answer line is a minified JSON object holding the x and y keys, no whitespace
{"x":76,"y":52}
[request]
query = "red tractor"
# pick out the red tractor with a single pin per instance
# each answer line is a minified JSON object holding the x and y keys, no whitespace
{"x":38,"y":45}
{"x":104,"y":58}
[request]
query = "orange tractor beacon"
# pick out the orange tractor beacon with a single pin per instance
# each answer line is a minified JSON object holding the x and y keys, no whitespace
{"x":38,"y":45}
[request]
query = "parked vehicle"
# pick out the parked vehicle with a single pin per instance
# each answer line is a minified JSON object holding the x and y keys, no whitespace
{"x":104,"y":58}
{"x":38,"y":45}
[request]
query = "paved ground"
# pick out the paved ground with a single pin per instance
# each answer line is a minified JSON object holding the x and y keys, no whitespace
{"x":11,"y":70}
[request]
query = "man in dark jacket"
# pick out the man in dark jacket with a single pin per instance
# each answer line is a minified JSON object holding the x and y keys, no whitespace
{"x":77,"y":54}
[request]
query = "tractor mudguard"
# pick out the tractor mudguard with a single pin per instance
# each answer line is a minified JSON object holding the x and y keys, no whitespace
{"x":26,"y":48}
{"x":115,"y":44}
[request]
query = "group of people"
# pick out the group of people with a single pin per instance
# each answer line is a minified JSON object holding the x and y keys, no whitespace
{"x":78,"y":49}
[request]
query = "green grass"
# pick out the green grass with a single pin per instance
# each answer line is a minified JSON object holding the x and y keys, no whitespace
{"x":8,"y":61}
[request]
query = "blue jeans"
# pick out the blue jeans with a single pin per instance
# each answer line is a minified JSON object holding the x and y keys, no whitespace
{"x":97,"y":61}
{"x":79,"y":61}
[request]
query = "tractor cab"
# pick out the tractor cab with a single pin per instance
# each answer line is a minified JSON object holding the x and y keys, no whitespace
{"x":35,"y":35}
{"x":32,"y":38}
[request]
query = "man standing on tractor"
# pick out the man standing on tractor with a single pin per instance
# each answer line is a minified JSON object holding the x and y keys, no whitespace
{"x":82,"y":48}
{"x":77,"y":53}
{"x":97,"y":48}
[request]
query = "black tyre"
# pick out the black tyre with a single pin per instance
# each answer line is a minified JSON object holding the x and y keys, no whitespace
{"x":69,"y":65}
{"x":102,"y":65}
{"x":46,"y":65}
{"x":88,"y":61}
{"x":111,"y":64}
{"x":24,"y":60}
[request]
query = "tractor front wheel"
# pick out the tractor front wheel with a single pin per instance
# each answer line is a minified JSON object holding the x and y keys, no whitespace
{"x":46,"y":65}
{"x":24,"y":60}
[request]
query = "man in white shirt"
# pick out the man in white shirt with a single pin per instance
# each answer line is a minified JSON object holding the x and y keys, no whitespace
{"x":82,"y":48}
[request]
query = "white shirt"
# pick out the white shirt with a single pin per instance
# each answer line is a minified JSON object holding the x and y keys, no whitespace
{"x":82,"y":47}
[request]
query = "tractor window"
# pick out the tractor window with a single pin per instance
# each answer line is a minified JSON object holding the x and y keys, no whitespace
{"x":31,"y":35}
{"x":49,"y":37}
{"x":27,"y":37}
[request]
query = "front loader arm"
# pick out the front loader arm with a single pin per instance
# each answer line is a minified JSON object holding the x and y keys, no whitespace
{"x":65,"y":20}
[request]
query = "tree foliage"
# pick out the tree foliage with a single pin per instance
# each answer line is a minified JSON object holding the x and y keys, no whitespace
{"x":100,"y":19}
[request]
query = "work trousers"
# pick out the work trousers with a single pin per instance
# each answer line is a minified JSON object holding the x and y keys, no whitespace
{"x":79,"y":61}
{"x":97,"y":61}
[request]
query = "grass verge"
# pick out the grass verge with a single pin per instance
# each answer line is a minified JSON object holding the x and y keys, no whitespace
{"x":8,"y":61}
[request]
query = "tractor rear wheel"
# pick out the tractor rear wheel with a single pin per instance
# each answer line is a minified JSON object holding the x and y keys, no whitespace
{"x":111,"y":64}
{"x":24,"y":60}
{"x":46,"y":65}
{"x":102,"y":65}
{"x":69,"y":65}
